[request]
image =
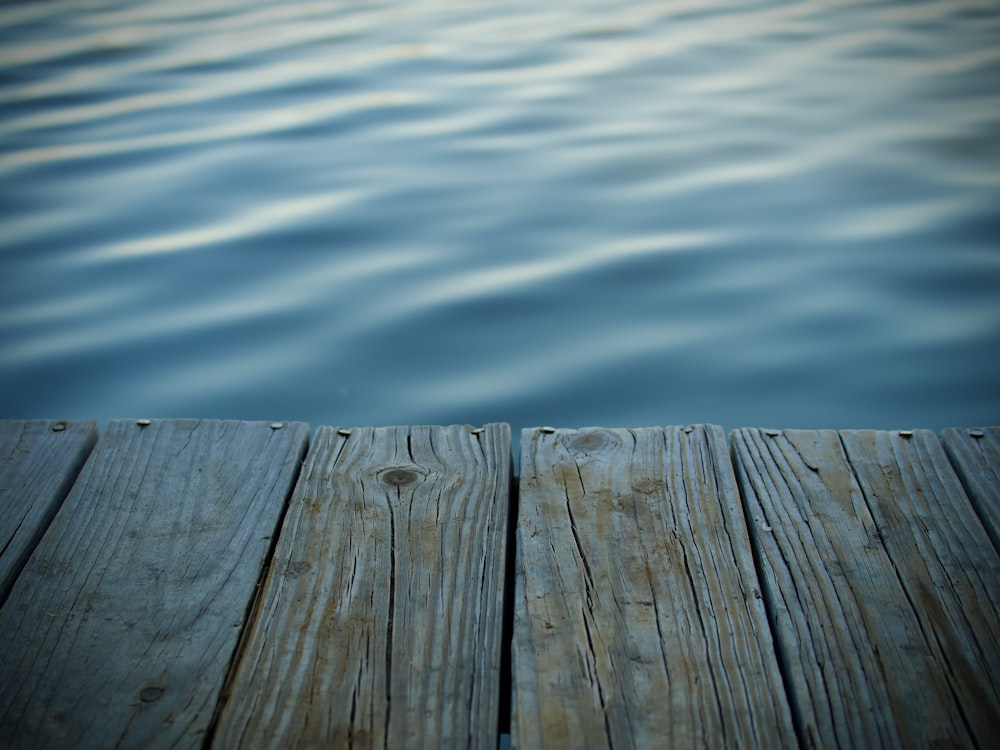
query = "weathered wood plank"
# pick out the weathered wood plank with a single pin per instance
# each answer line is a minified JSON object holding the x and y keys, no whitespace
{"x":638,"y":619}
{"x":120,"y":628}
{"x":882,"y":583}
{"x":975,"y":454}
{"x":39,"y":460}
{"x":380,"y":619}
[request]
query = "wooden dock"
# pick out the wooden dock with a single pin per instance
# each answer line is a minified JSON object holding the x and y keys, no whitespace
{"x":200,"y":583}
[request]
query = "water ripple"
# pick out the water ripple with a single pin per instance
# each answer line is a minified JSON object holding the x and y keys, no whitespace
{"x":656,"y":210}
{"x":264,"y":122}
{"x":254,"y":221}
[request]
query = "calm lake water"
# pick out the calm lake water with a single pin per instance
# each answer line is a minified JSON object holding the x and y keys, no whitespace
{"x":568,"y":213}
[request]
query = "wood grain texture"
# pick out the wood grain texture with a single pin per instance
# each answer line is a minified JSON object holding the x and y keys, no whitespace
{"x":380,"y":620}
{"x":975,"y":454}
{"x":638,"y":618}
{"x":39,"y":460}
{"x":121,"y":627}
{"x":882,"y":584}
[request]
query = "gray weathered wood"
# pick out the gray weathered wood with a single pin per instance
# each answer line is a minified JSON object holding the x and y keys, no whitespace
{"x":120,"y":629}
{"x":975,"y":454}
{"x":882,"y":583}
{"x":638,"y":618}
{"x":38,"y":462}
{"x":380,"y":620}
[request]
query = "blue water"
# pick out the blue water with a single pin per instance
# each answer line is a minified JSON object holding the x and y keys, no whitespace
{"x":568,"y":213}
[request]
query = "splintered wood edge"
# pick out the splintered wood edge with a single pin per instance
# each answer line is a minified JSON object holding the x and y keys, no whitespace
{"x":853,"y":476}
{"x":100,"y":597}
{"x":975,"y":454}
{"x":39,"y":462}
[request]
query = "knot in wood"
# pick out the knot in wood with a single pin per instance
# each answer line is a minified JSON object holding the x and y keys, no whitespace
{"x":399,"y":475}
{"x":295,"y":568}
{"x":151,"y":694}
{"x":648,"y":486}
{"x":591,"y":440}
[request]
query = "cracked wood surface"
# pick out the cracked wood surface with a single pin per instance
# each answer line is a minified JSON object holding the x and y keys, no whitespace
{"x":39,"y":460}
{"x":380,"y":620}
{"x":120,"y":629}
{"x":638,"y":617}
{"x":882,"y":583}
{"x":975,"y":454}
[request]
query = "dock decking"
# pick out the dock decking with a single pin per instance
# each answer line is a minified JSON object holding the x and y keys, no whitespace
{"x":203,"y":583}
